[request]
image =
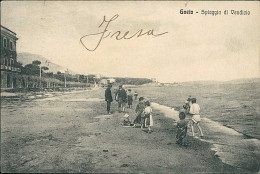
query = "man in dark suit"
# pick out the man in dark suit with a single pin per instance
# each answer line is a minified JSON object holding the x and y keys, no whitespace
{"x":121,"y":98}
{"x":108,"y":97}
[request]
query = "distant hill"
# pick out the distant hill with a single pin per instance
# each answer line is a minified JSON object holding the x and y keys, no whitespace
{"x":212,"y":82}
{"x":203,"y":82}
{"x":245,"y":80}
{"x":27,"y":58}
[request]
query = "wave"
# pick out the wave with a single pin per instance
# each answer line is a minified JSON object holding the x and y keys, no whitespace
{"x":231,"y":147}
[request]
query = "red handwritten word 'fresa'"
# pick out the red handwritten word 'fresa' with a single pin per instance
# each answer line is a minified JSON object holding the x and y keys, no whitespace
{"x":118,"y":36}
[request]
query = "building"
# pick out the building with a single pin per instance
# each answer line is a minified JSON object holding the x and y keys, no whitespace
{"x":10,"y":70}
{"x":105,"y":82}
{"x":154,"y":80}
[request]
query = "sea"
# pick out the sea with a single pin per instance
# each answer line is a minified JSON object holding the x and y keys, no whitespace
{"x":230,"y":117}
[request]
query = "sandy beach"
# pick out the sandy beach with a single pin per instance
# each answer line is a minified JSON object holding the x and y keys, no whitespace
{"x":71,"y":133}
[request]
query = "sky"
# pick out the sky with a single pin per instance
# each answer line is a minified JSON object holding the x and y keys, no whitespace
{"x":196,"y":47}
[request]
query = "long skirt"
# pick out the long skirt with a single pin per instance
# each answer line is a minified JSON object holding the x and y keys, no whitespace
{"x":149,"y":120}
{"x":181,"y":133}
{"x":137,"y":120}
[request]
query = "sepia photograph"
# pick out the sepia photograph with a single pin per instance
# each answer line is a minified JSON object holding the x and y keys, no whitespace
{"x":130,"y":87}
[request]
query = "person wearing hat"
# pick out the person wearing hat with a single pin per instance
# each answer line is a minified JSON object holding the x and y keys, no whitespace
{"x":127,"y":121}
{"x":108,"y":97}
{"x":121,"y":98}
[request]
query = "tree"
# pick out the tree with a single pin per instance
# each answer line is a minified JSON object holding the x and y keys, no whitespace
{"x":31,"y":69}
{"x":59,"y":76}
{"x":19,"y":65}
{"x":34,"y":68}
{"x":44,"y":68}
{"x":49,"y":74}
{"x":36,"y":62}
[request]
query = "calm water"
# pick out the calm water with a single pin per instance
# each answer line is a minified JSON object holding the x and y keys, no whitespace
{"x":236,"y":106}
{"x":230,"y":117}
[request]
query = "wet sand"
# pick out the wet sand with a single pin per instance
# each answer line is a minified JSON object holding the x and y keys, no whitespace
{"x":73,"y":134}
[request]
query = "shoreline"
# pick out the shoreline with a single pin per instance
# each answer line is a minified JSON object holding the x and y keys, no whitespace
{"x":80,"y":137}
{"x":41,"y":94}
{"x":203,"y":148}
{"x":217,"y":146}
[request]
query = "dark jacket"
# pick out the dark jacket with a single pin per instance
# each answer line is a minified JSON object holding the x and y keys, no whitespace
{"x":108,"y":95}
{"x":121,"y":94}
{"x":139,"y":108}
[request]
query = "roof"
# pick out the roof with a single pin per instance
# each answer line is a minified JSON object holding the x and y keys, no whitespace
{"x":8,"y":30}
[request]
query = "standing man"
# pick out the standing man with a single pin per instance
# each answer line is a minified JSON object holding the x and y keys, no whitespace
{"x":121,"y":98}
{"x":108,"y":98}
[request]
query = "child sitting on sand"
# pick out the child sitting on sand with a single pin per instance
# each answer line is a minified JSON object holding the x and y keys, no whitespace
{"x":148,"y":116}
{"x":182,"y":126}
{"x":127,"y":121}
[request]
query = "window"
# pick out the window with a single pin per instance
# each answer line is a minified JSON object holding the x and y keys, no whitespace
{"x":5,"y":42}
{"x":11,"y":62}
{"x":11,"y":45}
{"x":7,"y":62}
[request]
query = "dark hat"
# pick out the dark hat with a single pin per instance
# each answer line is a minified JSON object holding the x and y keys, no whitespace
{"x":194,"y":100}
{"x":182,"y":115}
{"x":147,"y":103}
{"x":141,"y":98}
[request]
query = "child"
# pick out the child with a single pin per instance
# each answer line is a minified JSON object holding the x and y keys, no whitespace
{"x":187,"y":105}
{"x":148,"y":116}
{"x":127,"y":121}
{"x":182,"y":126}
{"x":135,"y":94}
{"x":194,"y":111}
{"x":130,"y":98}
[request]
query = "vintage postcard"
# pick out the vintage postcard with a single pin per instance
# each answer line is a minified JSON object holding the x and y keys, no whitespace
{"x":130,"y":87}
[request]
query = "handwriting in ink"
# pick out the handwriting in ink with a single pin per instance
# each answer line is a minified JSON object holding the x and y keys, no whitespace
{"x":118,"y":35}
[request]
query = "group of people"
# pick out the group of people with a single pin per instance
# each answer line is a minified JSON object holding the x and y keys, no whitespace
{"x":143,"y":109}
{"x":122,"y":96}
{"x":192,"y":110}
{"x":143,"y":112}
{"x":144,"y":116}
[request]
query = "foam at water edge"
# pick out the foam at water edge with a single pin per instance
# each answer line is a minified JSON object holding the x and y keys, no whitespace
{"x":48,"y":99}
{"x":84,"y":100}
{"x":169,"y":112}
{"x":218,"y":127}
{"x":229,"y":145}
